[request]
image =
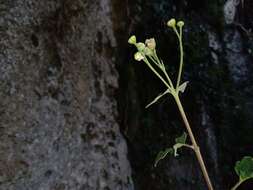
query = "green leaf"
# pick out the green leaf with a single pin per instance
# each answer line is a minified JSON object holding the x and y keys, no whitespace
{"x":180,"y":142}
{"x":183,"y":86}
{"x":162,"y":154}
{"x":158,"y":97}
{"x":176,"y":147}
{"x":181,"y":139}
{"x":244,"y":168}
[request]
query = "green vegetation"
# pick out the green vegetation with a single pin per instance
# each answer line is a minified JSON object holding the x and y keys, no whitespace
{"x":146,"y":52}
{"x":244,"y":170}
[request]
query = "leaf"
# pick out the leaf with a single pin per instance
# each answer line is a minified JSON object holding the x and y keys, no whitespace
{"x":181,"y":139}
{"x":158,"y":97}
{"x":162,"y":154}
{"x":244,"y":168}
{"x":180,"y":142}
{"x":183,"y":86}
{"x":177,"y":146}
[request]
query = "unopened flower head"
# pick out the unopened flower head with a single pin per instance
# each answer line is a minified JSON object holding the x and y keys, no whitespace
{"x":140,"y":46}
{"x":180,"y":24}
{"x":132,"y":39}
{"x":171,"y":23}
{"x":148,"y":51}
{"x":150,"y":43}
{"x":138,"y":56}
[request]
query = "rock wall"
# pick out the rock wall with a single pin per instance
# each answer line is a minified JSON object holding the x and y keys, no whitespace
{"x":58,"y":128}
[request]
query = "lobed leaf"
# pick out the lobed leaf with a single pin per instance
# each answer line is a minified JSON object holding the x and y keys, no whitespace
{"x":181,"y":139}
{"x":244,"y":168}
{"x":176,"y":147}
{"x":180,"y":142}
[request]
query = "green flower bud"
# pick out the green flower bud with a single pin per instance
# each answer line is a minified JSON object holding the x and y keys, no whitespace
{"x":180,"y":24}
{"x":140,"y":46}
{"x":148,"y":51}
{"x":132,"y":39}
{"x":171,"y":23}
{"x":138,"y":56}
{"x":150,"y":43}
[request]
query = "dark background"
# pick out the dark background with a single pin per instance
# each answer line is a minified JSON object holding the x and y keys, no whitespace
{"x":218,"y":99}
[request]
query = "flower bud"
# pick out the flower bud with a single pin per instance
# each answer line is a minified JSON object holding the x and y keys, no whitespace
{"x":132,"y":39}
{"x":150,"y":43}
{"x":171,"y":23}
{"x":180,"y":24}
{"x":148,"y":51}
{"x":140,"y":46}
{"x":138,"y":56}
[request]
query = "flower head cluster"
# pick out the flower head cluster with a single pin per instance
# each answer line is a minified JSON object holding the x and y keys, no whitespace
{"x":144,"y":49}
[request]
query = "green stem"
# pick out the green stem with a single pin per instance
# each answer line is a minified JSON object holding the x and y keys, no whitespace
{"x":156,"y":73}
{"x":152,"y":59}
{"x":181,"y":58}
{"x":163,"y":70}
{"x":168,"y":78}
{"x":161,"y":66}
{"x":188,"y":146}
{"x":175,"y":30}
{"x":239,"y":183}
{"x":194,"y":143}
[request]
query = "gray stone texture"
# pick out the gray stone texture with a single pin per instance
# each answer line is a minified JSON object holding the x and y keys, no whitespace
{"x":58,"y":128}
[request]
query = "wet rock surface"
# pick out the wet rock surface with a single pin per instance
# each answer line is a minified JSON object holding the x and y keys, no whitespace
{"x":58,"y":128}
